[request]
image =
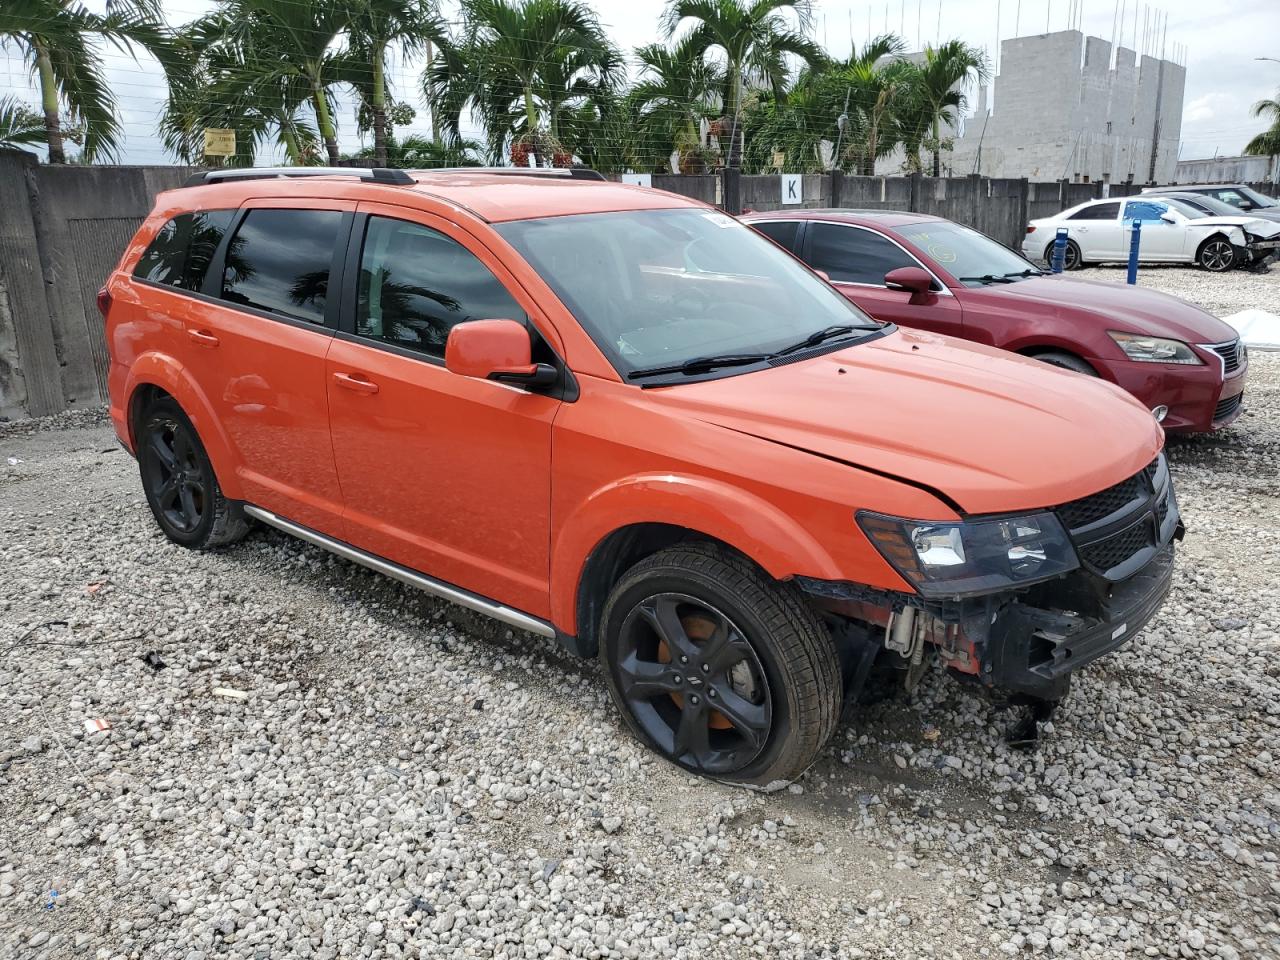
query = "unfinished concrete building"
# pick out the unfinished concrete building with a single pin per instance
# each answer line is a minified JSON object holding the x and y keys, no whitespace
{"x":1064,"y":107}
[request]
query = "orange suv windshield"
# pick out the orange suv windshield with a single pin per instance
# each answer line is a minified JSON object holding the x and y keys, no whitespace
{"x":658,"y":288}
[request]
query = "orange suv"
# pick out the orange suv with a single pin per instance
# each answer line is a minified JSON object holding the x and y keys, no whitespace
{"x":621,"y":418}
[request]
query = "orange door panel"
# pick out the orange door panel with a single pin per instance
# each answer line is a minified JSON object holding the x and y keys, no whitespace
{"x":442,"y":473}
{"x":259,"y":355}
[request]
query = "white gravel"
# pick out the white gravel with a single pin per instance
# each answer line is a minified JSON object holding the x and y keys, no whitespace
{"x":401,"y":779}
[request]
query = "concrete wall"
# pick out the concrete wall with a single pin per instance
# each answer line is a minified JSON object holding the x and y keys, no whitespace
{"x":1258,"y":171}
{"x":62,"y":230}
{"x":1061,"y":108}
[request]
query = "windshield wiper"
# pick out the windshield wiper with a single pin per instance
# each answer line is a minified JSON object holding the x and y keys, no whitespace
{"x":986,"y":278}
{"x":826,"y":333}
{"x":700,"y":364}
{"x":1029,"y":272}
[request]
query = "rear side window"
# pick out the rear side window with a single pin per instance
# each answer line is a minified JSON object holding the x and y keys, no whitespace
{"x":853,"y":255}
{"x":416,"y":284}
{"x":279,"y":261}
{"x":180,"y":253}
{"x":1101,"y":211}
{"x":781,"y":232}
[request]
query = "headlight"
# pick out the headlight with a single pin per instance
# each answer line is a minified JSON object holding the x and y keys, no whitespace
{"x":955,"y":559}
{"x":1153,"y":349}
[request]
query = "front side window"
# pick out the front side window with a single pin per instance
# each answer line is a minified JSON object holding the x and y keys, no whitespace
{"x":1099,"y":211}
{"x":1233,"y":197}
{"x":969,"y":256}
{"x":179,"y":255}
{"x":416,"y":284}
{"x":279,"y":261}
{"x":1148,"y":211}
{"x":666,"y":287}
{"x":854,"y":255}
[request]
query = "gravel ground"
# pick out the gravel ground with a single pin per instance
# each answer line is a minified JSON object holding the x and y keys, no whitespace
{"x":390,"y":777}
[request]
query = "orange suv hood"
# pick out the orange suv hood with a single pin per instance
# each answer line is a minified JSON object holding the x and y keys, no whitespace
{"x":990,"y":430}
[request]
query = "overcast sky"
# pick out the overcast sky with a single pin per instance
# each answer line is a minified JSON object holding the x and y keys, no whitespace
{"x":1222,"y":39}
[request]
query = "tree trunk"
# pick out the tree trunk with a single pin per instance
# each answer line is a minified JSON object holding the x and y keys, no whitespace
{"x":735,"y":107}
{"x":531,"y":125}
{"x":49,"y":102}
{"x":379,"y":109}
{"x":324,"y":122}
{"x":937,"y":148}
{"x":435,"y":120}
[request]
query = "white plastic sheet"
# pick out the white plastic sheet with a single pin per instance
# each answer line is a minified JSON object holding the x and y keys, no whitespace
{"x":1259,"y":329}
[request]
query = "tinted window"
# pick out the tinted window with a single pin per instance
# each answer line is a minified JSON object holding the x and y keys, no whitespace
{"x":415,"y":284}
{"x":1101,"y":211}
{"x":1233,"y":197}
{"x":781,"y":232}
{"x":854,"y":255}
{"x":279,"y":261}
{"x":181,"y":251}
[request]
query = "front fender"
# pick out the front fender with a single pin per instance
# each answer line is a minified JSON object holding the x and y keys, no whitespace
{"x":163,"y":371}
{"x":713,"y":508}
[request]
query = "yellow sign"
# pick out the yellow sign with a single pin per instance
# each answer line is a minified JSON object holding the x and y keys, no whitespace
{"x":219,"y":143}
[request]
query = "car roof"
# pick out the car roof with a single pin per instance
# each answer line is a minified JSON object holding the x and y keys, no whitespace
{"x":493,"y":196}
{"x":884,"y":218}
{"x":1187,"y":187}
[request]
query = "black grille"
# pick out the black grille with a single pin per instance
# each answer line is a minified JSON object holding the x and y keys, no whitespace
{"x":1115,"y":550}
{"x":1111,"y":526}
{"x":1091,"y":509}
{"x":1230,"y":354}
{"x":1227,"y":407}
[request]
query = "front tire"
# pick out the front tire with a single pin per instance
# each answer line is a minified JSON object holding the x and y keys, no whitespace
{"x":1067,"y":361}
{"x":1217,"y":255}
{"x":179,"y":481}
{"x":718,"y":668}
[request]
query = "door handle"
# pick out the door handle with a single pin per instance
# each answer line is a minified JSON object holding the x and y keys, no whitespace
{"x":356,"y":382}
{"x":203,"y":337}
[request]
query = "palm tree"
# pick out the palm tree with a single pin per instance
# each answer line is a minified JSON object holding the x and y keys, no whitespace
{"x":754,"y":38}
{"x":519,"y":66}
{"x":57,"y":41}
{"x":421,"y":153}
{"x":288,"y":44}
{"x":226,"y":85}
{"x":20,"y":126}
{"x":677,"y":89}
{"x":937,"y":89}
{"x":378,"y":27}
{"x":1267,"y":143}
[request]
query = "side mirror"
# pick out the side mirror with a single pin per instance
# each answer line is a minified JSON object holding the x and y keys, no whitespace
{"x":1246,"y":204}
{"x":496,"y":350}
{"x":913,"y":279}
{"x":826,"y":277}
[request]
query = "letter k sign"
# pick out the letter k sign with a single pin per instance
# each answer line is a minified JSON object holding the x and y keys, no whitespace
{"x":792,"y":188}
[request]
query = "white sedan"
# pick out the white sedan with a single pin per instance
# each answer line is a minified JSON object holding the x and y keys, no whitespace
{"x":1172,"y":232}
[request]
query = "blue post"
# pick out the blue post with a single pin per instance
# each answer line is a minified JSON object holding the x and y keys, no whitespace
{"x":1059,"y":257}
{"x":1135,"y":240}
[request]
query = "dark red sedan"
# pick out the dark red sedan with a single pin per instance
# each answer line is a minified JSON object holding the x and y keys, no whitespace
{"x":921,"y":271}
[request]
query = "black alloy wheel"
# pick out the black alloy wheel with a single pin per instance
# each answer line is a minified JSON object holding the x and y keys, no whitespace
{"x":694,"y":683}
{"x":1070,"y":256}
{"x":1217,"y":255}
{"x":173,"y":474}
{"x":178,"y":479}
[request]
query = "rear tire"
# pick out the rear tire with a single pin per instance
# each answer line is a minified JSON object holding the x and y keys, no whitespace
{"x":1071,"y":259}
{"x":1216,"y":255}
{"x":1067,"y":361}
{"x":718,"y":668}
{"x":179,"y":481}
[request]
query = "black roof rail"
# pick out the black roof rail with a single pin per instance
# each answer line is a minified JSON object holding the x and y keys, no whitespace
{"x":565,"y":173}
{"x":372,"y":174}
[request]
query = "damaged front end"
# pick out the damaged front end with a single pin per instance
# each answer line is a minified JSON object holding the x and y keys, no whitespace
{"x":1019,"y":603}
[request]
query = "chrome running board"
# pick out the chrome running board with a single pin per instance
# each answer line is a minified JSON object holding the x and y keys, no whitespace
{"x":464,"y":598}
